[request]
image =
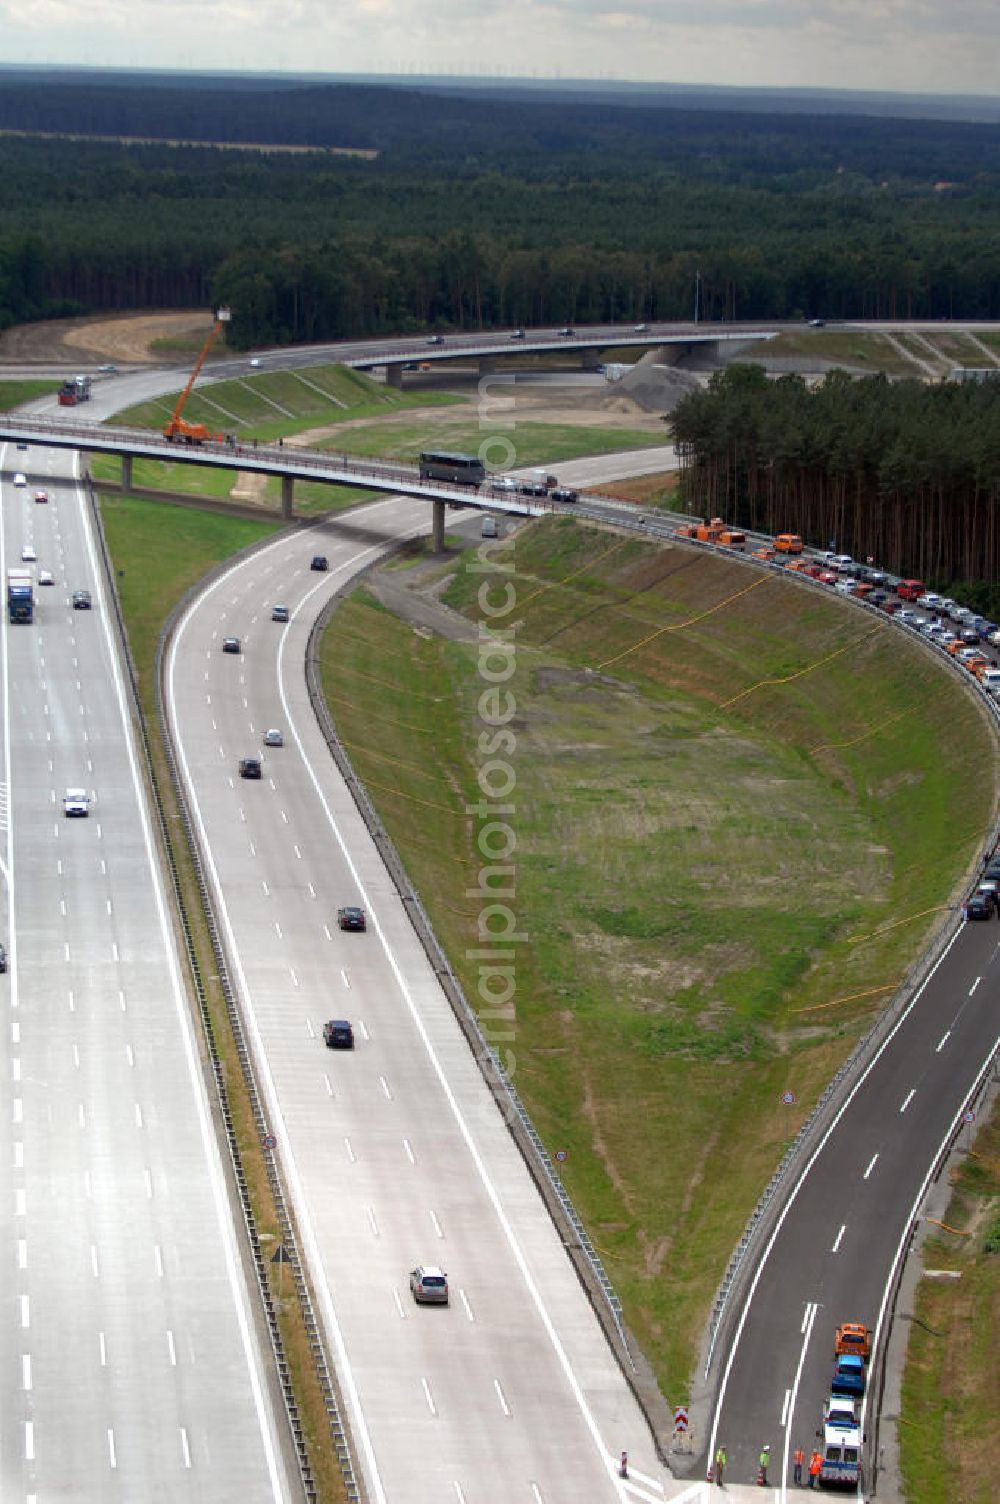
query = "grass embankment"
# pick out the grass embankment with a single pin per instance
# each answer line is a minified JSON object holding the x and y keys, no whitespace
{"x":951,"y":1383}
{"x":159,"y":553}
{"x":739,"y":806}
{"x":534,"y":443}
{"x":14,"y":393}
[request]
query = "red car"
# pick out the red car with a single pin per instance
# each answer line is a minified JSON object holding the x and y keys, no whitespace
{"x":351,"y":918}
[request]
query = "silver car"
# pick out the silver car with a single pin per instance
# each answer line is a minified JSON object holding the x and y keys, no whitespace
{"x":429,"y":1285}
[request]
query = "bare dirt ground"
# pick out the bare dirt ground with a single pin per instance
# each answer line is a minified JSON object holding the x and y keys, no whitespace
{"x":124,"y":339}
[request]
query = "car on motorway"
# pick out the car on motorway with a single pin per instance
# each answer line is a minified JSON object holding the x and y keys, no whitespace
{"x":992,"y":868}
{"x":28,"y":555}
{"x":230,"y":644}
{"x":517,"y":334}
{"x":76,"y":804}
{"x":81,"y":600}
{"x":41,"y":496}
{"x":435,"y":339}
{"x":929,"y":601}
{"x":567,"y":332}
{"x":565,"y":494}
{"x":849,"y":1375}
{"x":108,"y":368}
{"x":817,"y":323}
{"x":319,"y":563}
{"x":3,"y":958}
{"x":429,"y":1285}
{"x":827,"y":577}
{"x":350,"y":917}
{"x":22,"y":445}
{"x":273,"y":738}
{"x":338,"y":1034}
{"x":45,"y":577}
{"x":250,"y":767}
{"x":503,"y":483}
{"x":279,"y":613}
{"x":20,"y":479}
{"x":979,"y":906}
{"x":255,"y":363}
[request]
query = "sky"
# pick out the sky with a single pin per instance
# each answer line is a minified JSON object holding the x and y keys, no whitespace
{"x":900,"y":46}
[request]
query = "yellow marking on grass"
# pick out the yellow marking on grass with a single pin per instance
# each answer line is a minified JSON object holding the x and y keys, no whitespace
{"x":884,"y":929}
{"x":850,"y":997}
{"x":396,"y":762}
{"x":397,"y":793}
{"x":956,"y":1230}
{"x":679,"y":626}
{"x":557,"y":584}
{"x":871,"y":731}
{"x":800,"y":672}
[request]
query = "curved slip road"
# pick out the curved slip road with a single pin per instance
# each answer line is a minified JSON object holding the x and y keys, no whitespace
{"x":395,"y":1154}
{"x":128,"y":1361}
{"x":849,"y":1217}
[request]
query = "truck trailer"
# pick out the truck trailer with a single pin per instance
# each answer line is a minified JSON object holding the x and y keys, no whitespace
{"x":20,"y":595}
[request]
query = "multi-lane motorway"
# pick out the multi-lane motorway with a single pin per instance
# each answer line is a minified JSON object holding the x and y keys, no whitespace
{"x":129,"y":1359}
{"x":394,"y":1154}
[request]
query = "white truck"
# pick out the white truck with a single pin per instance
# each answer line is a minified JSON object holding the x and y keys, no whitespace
{"x":842,"y":1442}
{"x":76,"y":803}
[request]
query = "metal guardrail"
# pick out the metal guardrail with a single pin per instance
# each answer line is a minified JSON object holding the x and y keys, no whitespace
{"x":289,"y":1246}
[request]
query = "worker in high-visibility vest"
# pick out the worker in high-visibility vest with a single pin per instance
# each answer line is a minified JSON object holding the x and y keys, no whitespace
{"x":798,"y":1461}
{"x":815,"y":1463}
{"x":720,"y":1464}
{"x":765,"y":1457}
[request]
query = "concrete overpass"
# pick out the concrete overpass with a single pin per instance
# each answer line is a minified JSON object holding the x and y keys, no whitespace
{"x":288,"y":464}
{"x":673,"y":342}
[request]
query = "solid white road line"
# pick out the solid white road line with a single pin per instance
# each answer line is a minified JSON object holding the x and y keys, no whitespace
{"x":871,"y":1166}
{"x":944,"y":1040}
{"x":836,"y":1241}
{"x":810,"y":1318}
{"x":908,"y":1098}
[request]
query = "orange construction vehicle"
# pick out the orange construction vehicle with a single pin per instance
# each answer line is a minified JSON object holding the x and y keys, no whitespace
{"x":177,"y":428}
{"x":853,"y":1337}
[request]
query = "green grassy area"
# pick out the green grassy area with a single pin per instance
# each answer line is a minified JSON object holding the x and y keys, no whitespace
{"x":951,"y":1381}
{"x":277,"y":404}
{"x":13,"y":393}
{"x":856,"y":349}
{"x":160,"y":551}
{"x":738,"y":808}
{"x":534,"y":443}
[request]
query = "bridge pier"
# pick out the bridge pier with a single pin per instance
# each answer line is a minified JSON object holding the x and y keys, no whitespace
{"x":287,"y":493}
{"x":126,"y":474}
{"x":394,"y":376}
{"x":437,"y":526}
{"x":590,"y":359}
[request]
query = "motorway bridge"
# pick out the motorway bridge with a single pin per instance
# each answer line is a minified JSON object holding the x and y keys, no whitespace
{"x":288,"y":464}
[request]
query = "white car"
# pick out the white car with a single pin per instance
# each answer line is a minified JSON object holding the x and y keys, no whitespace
{"x":28,"y":555}
{"x":76,"y":803}
{"x":45,"y":577}
{"x":255,"y":363}
{"x":929,"y":601}
{"x":20,"y":479}
{"x":273,"y":738}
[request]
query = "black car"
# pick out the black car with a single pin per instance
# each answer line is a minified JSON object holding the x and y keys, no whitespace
{"x":81,"y":600}
{"x":250,"y":767}
{"x":565,"y":494}
{"x":435,"y":339}
{"x":319,"y":562}
{"x":230,"y":644}
{"x":992,"y":868}
{"x":279,"y":613}
{"x":338,"y":1034}
{"x":877,"y":598}
{"x":3,"y":958}
{"x":979,"y":906}
{"x":567,"y":333}
{"x":350,"y":917}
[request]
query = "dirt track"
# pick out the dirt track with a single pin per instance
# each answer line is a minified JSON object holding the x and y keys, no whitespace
{"x":125,"y":339}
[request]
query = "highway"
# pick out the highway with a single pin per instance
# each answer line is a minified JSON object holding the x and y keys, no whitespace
{"x":842,"y":1228}
{"x":395,"y":1153}
{"x":130,"y":1366}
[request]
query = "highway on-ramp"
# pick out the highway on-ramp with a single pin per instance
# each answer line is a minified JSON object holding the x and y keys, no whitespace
{"x":395,"y":1153}
{"x":129,"y":1362}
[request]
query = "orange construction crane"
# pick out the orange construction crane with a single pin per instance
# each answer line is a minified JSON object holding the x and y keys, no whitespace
{"x":194,"y":433}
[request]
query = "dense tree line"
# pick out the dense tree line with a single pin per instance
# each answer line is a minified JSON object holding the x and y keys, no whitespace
{"x":487,"y":212}
{"x":906,"y":472}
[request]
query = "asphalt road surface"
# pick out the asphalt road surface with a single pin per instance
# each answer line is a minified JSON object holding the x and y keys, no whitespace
{"x":128,"y":1362}
{"x":841,"y":1231}
{"x":395,"y":1152}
